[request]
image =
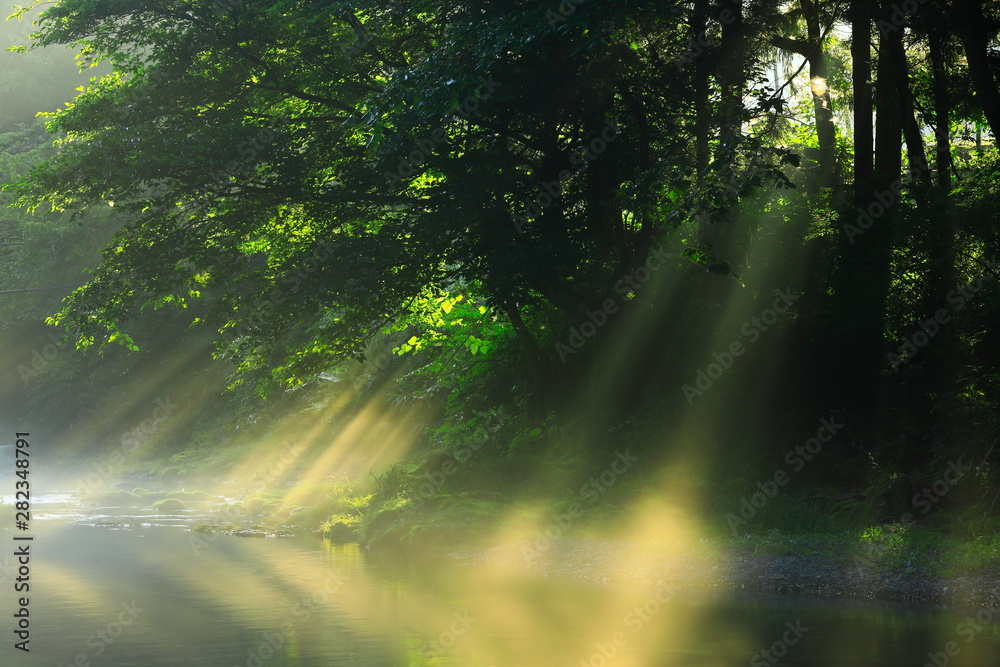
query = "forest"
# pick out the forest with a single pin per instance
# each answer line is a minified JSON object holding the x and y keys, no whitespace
{"x":430,"y":259}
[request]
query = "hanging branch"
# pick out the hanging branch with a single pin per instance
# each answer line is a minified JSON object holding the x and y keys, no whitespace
{"x":39,"y":289}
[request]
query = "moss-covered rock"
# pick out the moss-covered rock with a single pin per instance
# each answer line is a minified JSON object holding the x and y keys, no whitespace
{"x":120,"y":499}
{"x":131,"y":487}
{"x":215,"y":528}
{"x":169,"y":505}
{"x":253,"y":504}
{"x":341,"y":528}
{"x":196,"y":496}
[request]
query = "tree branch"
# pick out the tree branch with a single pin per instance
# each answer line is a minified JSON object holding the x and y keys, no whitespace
{"x":39,"y":289}
{"x":804,"y":49}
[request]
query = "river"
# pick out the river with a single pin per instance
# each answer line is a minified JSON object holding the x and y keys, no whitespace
{"x":121,"y":587}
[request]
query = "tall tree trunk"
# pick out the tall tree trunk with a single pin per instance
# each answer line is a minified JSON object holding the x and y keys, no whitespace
{"x":732,"y":78}
{"x":864,"y":130}
{"x":702,"y":72}
{"x":826,"y":130}
{"x":819,"y":76}
{"x":916,"y":154}
{"x":863,"y":276}
{"x":888,"y":119}
{"x":702,"y":108}
{"x":731,"y":73}
{"x":941,"y":275}
{"x":942,"y":111}
{"x":970,"y":24}
{"x":870,"y":257}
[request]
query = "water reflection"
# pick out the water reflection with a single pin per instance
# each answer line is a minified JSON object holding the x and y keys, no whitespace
{"x":158,"y":594}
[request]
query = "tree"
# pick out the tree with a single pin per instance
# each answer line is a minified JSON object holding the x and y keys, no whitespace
{"x":312,"y":167}
{"x":973,"y":29}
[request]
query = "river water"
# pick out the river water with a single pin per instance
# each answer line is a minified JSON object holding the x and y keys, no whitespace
{"x":120,"y":587}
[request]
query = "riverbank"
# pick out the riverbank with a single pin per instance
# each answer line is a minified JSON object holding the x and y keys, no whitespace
{"x":950,"y":557}
{"x":818,"y":568}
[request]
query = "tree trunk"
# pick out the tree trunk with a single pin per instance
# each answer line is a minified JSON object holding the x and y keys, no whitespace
{"x":732,"y":78}
{"x":864,"y":131}
{"x":819,"y":76}
{"x":856,"y":350}
{"x":826,"y":131}
{"x":540,"y":378}
{"x":888,"y":119}
{"x":941,"y":274}
{"x":942,"y":111}
{"x":916,"y":155}
{"x":702,"y":72}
